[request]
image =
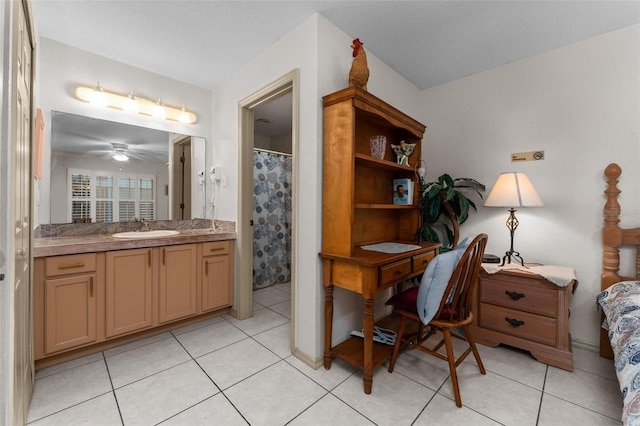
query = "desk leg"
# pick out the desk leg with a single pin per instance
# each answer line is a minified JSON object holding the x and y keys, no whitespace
{"x":328,"y":324}
{"x":368,"y":345}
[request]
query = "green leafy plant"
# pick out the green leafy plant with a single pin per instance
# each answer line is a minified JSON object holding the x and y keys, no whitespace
{"x":444,"y":203}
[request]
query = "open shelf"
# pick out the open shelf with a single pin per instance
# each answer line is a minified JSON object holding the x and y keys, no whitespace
{"x":352,"y":351}
{"x":370,"y":161}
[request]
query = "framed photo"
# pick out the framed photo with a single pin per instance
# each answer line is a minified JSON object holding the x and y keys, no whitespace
{"x":403,"y":191}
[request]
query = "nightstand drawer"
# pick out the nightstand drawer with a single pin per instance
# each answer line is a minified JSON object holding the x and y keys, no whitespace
{"x":536,"y":299}
{"x":528,"y":326}
{"x":394,"y":271}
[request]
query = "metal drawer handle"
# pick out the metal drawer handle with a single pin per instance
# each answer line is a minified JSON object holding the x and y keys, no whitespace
{"x":398,"y":272}
{"x":71,"y":265}
{"x":514,"y":295}
{"x":217,"y":249}
{"x":514,"y":322}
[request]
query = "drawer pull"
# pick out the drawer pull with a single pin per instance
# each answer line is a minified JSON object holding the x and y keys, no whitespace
{"x":217,"y":249}
{"x":91,"y":287}
{"x":514,"y":295}
{"x":398,"y":273}
{"x":206,"y":268}
{"x":514,"y":322}
{"x":71,"y":265}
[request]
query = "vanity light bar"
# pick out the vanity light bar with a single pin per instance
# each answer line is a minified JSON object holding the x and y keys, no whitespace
{"x":97,"y":95}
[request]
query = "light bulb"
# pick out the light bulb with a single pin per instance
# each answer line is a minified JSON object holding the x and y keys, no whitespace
{"x":97,"y":97}
{"x":131,"y":104}
{"x":159,"y":111}
{"x":119,"y":155}
{"x":184,"y":117}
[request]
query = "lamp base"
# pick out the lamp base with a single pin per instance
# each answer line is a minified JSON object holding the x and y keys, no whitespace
{"x":516,"y":256}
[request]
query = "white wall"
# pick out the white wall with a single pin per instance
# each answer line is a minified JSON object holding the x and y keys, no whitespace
{"x":322,"y":53}
{"x":61,"y":68}
{"x":581,"y":105}
{"x":61,"y":162}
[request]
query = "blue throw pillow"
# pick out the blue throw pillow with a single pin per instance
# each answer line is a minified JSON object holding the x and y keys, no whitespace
{"x":435,"y":279}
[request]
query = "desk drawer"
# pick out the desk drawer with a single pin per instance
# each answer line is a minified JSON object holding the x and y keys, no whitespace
{"x":393,"y":272}
{"x":523,"y":297}
{"x":72,"y":264}
{"x":528,"y":326}
{"x":421,"y":261}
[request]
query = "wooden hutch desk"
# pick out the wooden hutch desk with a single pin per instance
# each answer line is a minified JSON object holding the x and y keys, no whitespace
{"x":358,"y":209}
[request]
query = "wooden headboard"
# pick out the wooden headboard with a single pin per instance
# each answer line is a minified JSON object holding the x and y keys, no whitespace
{"x":612,"y":238}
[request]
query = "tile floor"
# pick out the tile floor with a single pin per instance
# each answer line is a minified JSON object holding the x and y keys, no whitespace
{"x":229,"y":372}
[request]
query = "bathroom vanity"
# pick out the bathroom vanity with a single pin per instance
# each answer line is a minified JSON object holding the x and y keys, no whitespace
{"x":96,"y":291}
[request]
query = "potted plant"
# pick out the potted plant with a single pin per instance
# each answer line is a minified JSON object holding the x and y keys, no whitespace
{"x":444,"y":203}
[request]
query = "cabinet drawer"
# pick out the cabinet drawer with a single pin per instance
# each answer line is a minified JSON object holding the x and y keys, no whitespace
{"x":67,"y":265}
{"x":528,"y":326}
{"x":215,"y":247}
{"x":523,"y":297}
{"x":421,"y":261}
{"x":394,"y":271}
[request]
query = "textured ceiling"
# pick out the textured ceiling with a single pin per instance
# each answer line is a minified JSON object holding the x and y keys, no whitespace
{"x":429,"y":42}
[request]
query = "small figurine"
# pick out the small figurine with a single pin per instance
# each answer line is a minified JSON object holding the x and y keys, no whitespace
{"x":403,"y":152}
{"x":359,"y":73}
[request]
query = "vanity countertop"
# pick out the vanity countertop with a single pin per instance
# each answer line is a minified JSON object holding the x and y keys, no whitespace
{"x":59,"y":245}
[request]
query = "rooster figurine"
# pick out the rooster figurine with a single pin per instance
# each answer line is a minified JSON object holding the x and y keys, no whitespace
{"x":359,"y":73}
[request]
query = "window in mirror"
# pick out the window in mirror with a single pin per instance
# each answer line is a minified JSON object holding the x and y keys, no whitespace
{"x":95,"y":197}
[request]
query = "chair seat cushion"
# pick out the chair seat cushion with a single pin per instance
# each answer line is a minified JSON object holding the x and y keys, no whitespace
{"x":405,"y":300}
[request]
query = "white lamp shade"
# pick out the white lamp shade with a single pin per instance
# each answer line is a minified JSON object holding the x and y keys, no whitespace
{"x":513,"y":189}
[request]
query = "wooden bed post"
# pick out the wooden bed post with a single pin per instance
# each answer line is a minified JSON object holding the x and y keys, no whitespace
{"x":611,"y":232}
{"x":611,"y":240}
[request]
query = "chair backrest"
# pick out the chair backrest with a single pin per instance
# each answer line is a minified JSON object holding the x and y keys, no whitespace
{"x":456,"y":302}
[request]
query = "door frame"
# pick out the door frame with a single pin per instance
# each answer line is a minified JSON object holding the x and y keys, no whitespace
{"x":243,"y":306}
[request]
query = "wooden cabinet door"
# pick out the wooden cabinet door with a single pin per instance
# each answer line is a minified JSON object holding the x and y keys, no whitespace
{"x":70,"y":312}
{"x":128,"y":291}
{"x":177,"y":286}
{"x":217,"y":288}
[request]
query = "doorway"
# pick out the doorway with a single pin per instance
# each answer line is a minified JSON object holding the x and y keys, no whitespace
{"x":180,"y":178}
{"x":249,"y":108}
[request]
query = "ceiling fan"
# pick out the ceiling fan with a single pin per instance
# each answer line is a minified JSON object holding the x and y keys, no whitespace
{"x":120,"y":152}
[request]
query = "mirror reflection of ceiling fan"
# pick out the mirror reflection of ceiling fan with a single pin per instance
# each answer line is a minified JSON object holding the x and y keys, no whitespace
{"x":76,"y":134}
{"x":118,"y":151}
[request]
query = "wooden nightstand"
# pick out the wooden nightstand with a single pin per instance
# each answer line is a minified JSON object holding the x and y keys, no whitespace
{"x":526,"y":311}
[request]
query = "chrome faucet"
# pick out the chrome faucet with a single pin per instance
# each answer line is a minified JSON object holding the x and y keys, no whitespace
{"x":145,"y":224}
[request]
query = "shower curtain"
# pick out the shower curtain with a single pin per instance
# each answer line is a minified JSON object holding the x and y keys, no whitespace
{"x":271,"y":219}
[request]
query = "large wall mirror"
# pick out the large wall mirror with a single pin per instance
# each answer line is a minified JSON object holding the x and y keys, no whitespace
{"x":104,"y":171}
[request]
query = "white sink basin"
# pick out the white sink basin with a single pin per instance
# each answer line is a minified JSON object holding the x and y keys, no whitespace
{"x":136,"y":235}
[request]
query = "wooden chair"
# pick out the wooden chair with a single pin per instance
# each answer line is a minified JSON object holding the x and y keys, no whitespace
{"x":454,"y":311}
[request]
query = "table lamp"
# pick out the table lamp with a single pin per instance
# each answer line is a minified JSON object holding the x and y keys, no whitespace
{"x":513,"y":189}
